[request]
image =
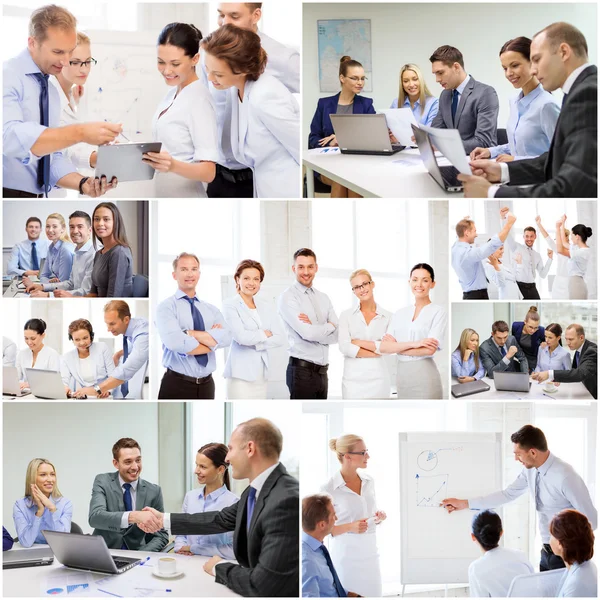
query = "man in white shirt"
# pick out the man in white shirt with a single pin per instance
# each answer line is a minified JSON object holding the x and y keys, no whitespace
{"x":554,"y":485}
{"x":26,"y":256}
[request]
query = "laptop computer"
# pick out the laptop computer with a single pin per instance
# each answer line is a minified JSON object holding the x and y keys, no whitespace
{"x":363,"y":134}
{"x":46,"y":384}
{"x":471,"y":387}
{"x":31,"y":557}
{"x":10,"y":382}
{"x":87,"y":553}
{"x":445,"y":176}
{"x":511,"y":382}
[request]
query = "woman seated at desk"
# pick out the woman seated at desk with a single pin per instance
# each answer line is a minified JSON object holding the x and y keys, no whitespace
{"x":36,"y":355}
{"x":89,"y":363}
{"x":466,"y":364}
{"x":552,"y":355}
{"x":345,"y":102}
{"x":415,"y":94}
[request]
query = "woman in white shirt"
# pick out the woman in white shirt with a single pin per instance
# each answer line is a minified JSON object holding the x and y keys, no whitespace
{"x":560,"y":285}
{"x":255,"y":329}
{"x":572,"y":538}
{"x":185,"y":121}
{"x":490,"y":575}
{"x":503,"y":275}
{"x":265,"y":121}
{"x":578,"y":254}
{"x":89,"y":363}
{"x":365,"y":372}
{"x":415,"y":334}
{"x":353,"y":546}
{"x":36,"y":355}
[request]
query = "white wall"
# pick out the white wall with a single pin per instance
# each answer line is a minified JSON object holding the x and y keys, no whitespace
{"x":78,"y":438}
{"x":403,"y":32}
{"x":478,"y":316}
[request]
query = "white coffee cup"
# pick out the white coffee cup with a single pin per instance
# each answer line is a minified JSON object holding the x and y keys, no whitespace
{"x":167,"y":566}
{"x":549,"y":387}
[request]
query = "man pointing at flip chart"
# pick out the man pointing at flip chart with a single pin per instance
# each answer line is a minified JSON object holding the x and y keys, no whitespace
{"x":554,"y":486}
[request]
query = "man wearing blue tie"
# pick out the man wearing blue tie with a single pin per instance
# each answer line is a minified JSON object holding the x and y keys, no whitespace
{"x":31,"y":155}
{"x":26,"y":256}
{"x":191,"y":330}
{"x":135,"y":352}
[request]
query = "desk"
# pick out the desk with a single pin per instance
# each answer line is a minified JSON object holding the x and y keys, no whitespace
{"x":565,"y":391}
{"x":31,"y":398}
{"x":375,"y":176}
{"x":194,"y":582}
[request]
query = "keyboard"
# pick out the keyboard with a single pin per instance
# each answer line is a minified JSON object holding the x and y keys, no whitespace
{"x":449,"y":174}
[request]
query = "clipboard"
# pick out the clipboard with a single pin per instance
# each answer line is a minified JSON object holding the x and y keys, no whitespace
{"x":124,"y":161}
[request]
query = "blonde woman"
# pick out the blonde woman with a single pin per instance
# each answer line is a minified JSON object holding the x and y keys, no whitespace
{"x":354,"y":543}
{"x":42,"y":507}
{"x":415,"y":94}
{"x":365,"y":372}
{"x":466,"y":364}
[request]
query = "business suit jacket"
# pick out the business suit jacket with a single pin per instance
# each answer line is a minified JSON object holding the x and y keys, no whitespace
{"x":476,"y":115}
{"x":99,"y":355}
{"x":107,"y":508}
{"x":249,"y":344}
{"x":268,"y":553}
{"x":492,"y":359}
{"x":569,"y":169}
{"x":586,"y":372}
{"x":536,"y":339}
{"x":321,"y":125}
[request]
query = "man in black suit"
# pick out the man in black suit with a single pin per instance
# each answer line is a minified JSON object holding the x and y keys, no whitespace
{"x":585,"y":362}
{"x":264,"y":520}
{"x":501,"y":352}
{"x":559,"y":58}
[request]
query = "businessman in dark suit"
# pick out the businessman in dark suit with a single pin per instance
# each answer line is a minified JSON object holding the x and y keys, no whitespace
{"x":559,"y":58}
{"x":585,"y":362}
{"x":465,"y":104}
{"x":264,"y":521}
{"x":500,"y":352}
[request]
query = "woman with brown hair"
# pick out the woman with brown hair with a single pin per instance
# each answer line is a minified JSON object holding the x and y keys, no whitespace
{"x":265,"y":125}
{"x":530,"y":336}
{"x":255,"y":329}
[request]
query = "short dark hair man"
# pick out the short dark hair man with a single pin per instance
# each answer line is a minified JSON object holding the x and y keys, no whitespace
{"x":501,"y":352}
{"x":26,"y":256}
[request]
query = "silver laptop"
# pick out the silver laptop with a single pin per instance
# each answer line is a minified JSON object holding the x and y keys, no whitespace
{"x":511,"y":382}
{"x":471,"y":387}
{"x":87,"y":553}
{"x":46,"y":384}
{"x":31,"y":557}
{"x":11,"y":385}
{"x":124,"y":161}
{"x":363,"y":134}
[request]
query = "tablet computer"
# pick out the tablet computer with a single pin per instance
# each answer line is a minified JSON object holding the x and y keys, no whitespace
{"x":124,"y":161}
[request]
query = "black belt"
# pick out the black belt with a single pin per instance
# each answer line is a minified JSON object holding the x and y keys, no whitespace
{"x":306,"y":364}
{"x":10,"y":193}
{"x":235,"y":175}
{"x":527,"y":286}
{"x":196,"y":380}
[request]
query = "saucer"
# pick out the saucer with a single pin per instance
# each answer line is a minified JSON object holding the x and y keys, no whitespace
{"x":552,"y":391}
{"x":156,"y":573}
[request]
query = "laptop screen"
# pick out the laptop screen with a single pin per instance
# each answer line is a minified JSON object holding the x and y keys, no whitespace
{"x":427,"y":155}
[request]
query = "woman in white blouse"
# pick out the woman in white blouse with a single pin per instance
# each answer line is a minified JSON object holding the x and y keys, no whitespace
{"x":503,"y":275}
{"x":578,"y":254}
{"x":490,"y":575}
{"x":365,"y":372}
{"x":415,"y":334}
{"x":354,"y":542}
{"x":36,"y":355}
{"x":560,"y":285}
{"x":89,"y":363}
{"x":185,"y":121}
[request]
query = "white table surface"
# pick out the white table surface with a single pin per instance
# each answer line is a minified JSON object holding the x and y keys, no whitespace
{"x":565,"y":391}
{"x":194,"y":582}
{"x":375,"y":176}
{"x":31,"y":398}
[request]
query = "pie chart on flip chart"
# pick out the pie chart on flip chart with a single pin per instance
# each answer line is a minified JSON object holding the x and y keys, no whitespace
{"x":55,"y":591}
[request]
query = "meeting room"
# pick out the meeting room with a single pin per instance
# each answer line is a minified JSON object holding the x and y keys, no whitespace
{"x":440,"y":101}
{"x":440,"y":499}
{"x":185,"y":464}
{"x":300,"y":300}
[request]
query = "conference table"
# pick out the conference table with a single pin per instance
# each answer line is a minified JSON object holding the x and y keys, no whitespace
{"x":401,"y":175}
{"x":139,"y":581}
{"x":565,"y":391}
{"x":31,"y":398}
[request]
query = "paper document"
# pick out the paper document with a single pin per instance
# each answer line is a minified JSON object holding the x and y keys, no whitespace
{"x":399,"y":121}
{"x":449,"y":143}
{"x":68,"y":583}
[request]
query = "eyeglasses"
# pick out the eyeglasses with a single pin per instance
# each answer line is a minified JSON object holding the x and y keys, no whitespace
{"x":85,"y":63}
{"x":360,"y":453}
{"x":362,"y":286}
{"x":356,"y":79}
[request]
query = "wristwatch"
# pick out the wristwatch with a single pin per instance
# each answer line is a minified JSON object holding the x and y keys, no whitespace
{"x":81,"y":182}
{"x":97,"y":390}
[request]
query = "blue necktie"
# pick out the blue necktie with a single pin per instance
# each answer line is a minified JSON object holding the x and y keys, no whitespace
{"x":201,"y":359}
{"x":454,"y":104}
{"x":250,"y":502}
{"x":502,"y":351}
{"x":128,"y":504}
{"x":341,"y":592}
{"x":125,"y":386}
{"x":43,"y":173}
{"x":577,"y":358}
{"x":35,"y":263}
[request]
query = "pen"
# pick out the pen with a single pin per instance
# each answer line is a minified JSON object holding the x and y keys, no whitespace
{"x":143,"y":562}
{"x":551,"y":398}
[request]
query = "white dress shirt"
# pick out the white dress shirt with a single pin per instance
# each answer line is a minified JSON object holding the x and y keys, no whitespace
{"x":577,"y":264}
{"x":490,"y":575}
{"x":47,"y":359}
{"x":9,"y":352}
{"x":580,"y":581}
{"x":531,"y":261}
{"x":133,"y":492}
{"x":504,"y":279}
{"x":80,"y":280}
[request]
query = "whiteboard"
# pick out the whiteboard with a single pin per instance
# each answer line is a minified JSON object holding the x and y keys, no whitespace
{"x":436,"y":546}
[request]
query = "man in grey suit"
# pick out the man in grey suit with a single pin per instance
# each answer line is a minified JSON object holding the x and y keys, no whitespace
{"x":559,"y":59}
{"x":264,"y":520}
{"x":465,"y":104}
{"x":115,"y":496}
{"x":498,"y":352}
